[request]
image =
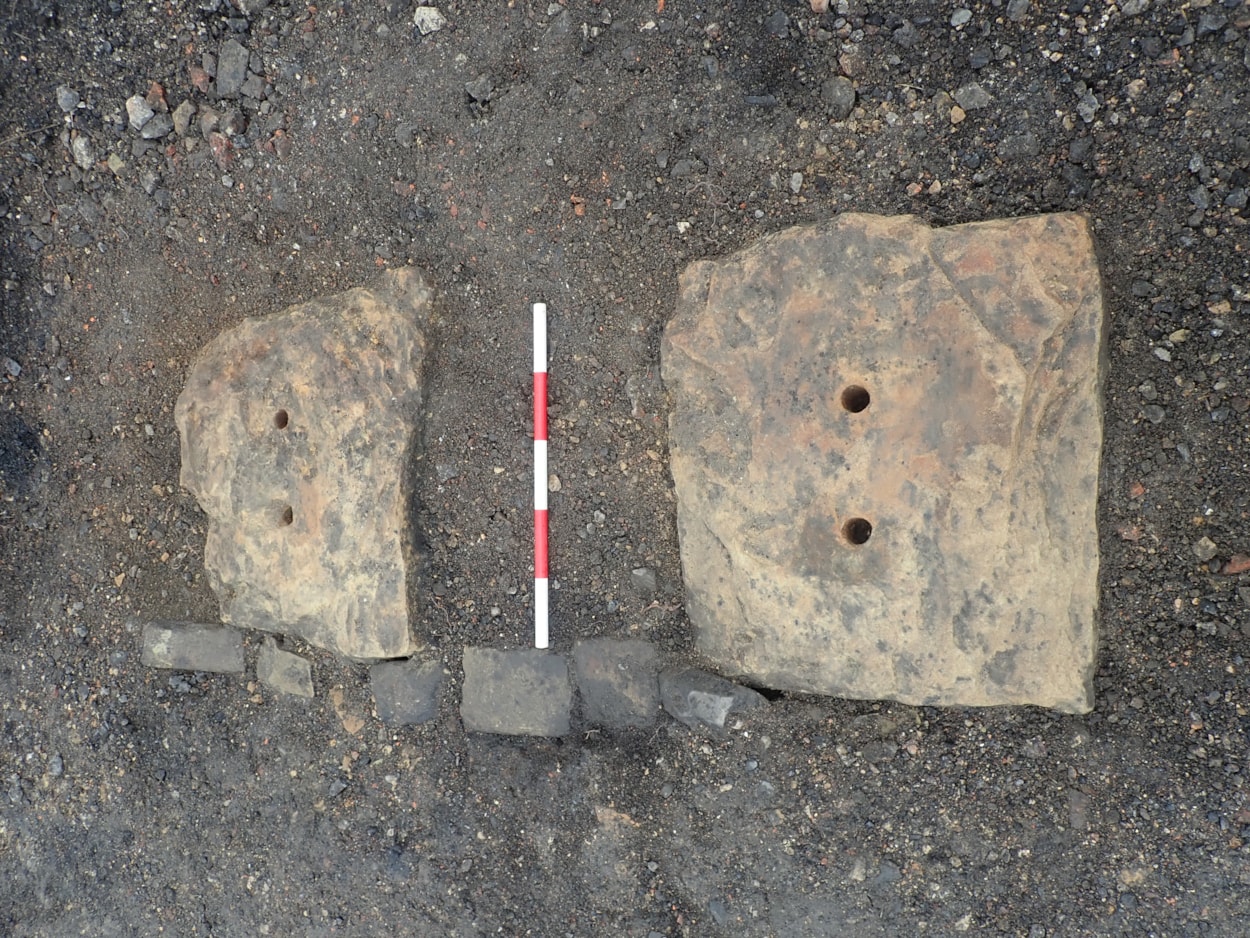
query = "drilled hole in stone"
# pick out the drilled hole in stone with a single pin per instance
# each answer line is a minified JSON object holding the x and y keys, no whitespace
{"x":856,"y":398}
{"x":287,"y":516}
{"x":857,"y":530}
{"x":281,"y":419}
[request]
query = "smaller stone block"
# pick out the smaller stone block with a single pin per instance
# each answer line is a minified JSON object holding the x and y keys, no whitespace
{"x":617,"y":680}
{"x":698,"y":698}
{"x":284,"y":671}
{"x":406,"y":692}
{"x":521,"y":692}
{"x":192,"y":646}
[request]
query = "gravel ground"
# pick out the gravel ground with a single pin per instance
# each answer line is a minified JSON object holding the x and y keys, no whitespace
{"x":168,"y":169}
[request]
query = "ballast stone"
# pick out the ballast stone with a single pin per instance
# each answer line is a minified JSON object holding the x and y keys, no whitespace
{"x":885,"y":444}
{"x":296,"y":431}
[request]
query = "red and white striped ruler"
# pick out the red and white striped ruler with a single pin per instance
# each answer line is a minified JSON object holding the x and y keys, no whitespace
{"x":540,"y":475}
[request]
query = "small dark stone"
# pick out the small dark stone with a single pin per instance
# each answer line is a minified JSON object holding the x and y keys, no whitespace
{"x":159,"y":126}
{"x":906,"y":35}
{"x":231,"y":68}
{"x":644,"y":580}
{"x":778,"y":24}
{"x":1020,"y":146}
{"x":480,"y":89}
{"x":1210,"y":23}
{"x":838,"y":93}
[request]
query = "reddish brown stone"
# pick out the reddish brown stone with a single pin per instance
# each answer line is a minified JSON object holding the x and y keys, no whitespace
{"x":885,"y":443}
{"x":1238,"y":563}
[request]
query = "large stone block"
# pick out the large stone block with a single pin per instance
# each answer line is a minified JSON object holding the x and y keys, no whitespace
{"x":295,"y":435}
{"x":885,"y":443}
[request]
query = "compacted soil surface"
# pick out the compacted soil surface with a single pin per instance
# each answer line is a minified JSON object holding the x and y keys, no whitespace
{"x":167,"y":169}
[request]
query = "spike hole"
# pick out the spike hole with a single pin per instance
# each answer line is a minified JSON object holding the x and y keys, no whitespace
{"x":281,"y":419}
{"x":855,"y":398}
{"x":287,"y":516}
{"x":857,"y":530}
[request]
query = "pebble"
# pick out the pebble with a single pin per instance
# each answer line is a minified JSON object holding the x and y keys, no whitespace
{"x":66,"y":98}
{"x":159,"y":126}
{"x":1205,"y":549}
{"x":1163,"y":354}
{"x":796,"y":182}
{"x":961,"y":17}
{"x":644,"y":580}
{"x":1017,"y":10}
{"x":1020,"y":146}
{"x":480,"y":89}
{"x":11,"y":368}
{"x":231,"y":68}
{"x":972,"y":96}
{"x":1087,"y":107}
{"x":838,"y":93}
{"x":428,"y":20}
{"x":778,"y":24}
{"x":138,"y":111}
{"x":1154,"y":413}
{"x":83,"y":151}
{"x":56,"y":765}
{"x":183,"y":114}
{"x":958,"y":114}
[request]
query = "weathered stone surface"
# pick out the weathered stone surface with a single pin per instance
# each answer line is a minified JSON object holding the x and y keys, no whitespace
{"x":885,"y":442}
{"x":192,"y":646}
{"x":617,"y":681}
{"x":697,"y":698}
{"x":295,"y":432}
{"x":521,"y":692}
{"x":406,"y":692}
{"x":284,"y":671}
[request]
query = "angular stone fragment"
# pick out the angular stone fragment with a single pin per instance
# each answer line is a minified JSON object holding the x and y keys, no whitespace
{"x":192,"y":646}
{"x":295,"y":434}
{"x":521,"y":692}
{"x":406,"y":692}
{"x":284,"y":671}
{"x":885,"y":443}
{"x":617,"y":681}
{"x":231,"y":68}
{"x":697,"y":698}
